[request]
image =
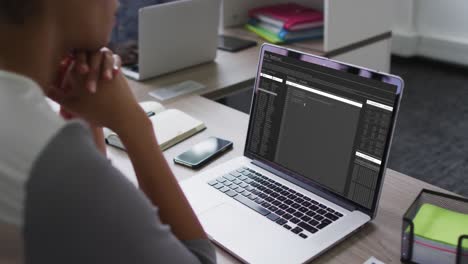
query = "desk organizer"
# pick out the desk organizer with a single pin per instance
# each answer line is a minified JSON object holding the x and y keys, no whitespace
{"x":424,"y":240}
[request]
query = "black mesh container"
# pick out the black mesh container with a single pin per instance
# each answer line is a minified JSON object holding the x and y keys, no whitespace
{"x":450,"y":202}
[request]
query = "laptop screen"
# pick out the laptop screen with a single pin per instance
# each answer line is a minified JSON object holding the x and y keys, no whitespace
{"x":328,"y":126}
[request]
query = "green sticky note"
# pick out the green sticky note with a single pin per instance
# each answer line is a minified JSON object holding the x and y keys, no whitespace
{"x":440,"y":224}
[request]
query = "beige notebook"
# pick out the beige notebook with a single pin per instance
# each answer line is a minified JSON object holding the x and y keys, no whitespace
{"x":171,"y":126}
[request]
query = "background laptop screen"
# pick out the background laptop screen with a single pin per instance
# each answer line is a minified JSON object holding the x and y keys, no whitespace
{"x":327,"y":125}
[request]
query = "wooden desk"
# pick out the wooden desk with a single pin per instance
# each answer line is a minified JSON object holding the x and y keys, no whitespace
{"x":381,"y":238}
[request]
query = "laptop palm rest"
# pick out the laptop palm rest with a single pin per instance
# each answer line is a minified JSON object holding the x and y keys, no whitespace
{"x":247,"y":233}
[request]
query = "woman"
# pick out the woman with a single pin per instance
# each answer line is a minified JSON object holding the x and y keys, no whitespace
{"x":61,"y":201}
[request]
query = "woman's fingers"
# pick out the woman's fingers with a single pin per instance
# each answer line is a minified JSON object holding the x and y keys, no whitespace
{"x":117,"y":64}
{"x":107,"y":64}
{"x":82,"y":62}
{"x":94,"y":61}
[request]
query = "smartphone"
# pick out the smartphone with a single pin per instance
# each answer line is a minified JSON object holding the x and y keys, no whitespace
{"x":203,"y":152}
{"x":234,"y":44}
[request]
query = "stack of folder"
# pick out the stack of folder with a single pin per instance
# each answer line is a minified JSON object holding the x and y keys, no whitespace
{"x":436,"y":234}
{"x":285,"y":23}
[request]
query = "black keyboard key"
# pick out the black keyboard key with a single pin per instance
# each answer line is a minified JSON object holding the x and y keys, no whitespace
{"x":326,"y":221}
{"x":273,"y":217}
{"x":287,"y":227}
{"x":281,"y":221}
{"x":313,"y":222}
{"x":292,"y":196}
{"x":252,"y":205}
{"x":306,"y":204}
{"x":322,"y":226}
{"x":248,"y":180}
{"x":294,"y":220}
{"x":262,"y":195}
{"x":280,"y":212}
{"x":269,"y":199}
{"x":300,"y":195}
{"x":285,"y":193}
{"x":291,"y":210}
{"x":330,"y":210}
{"x":331,"y":216}
{"x":276,"y":202}
{"x":297,"y":230}
{"x":313,"y":207}
{"x":338,"y":214}
{"x":307,"y":198}
{"x":305,"y":218}
{"x":273,"y":208}
{"x":231,"y":193}
{"x":318,"y":217}
{"x":252,"y":196}
{"x":261,"y":188}
{"x":213,"y":182}
{"x":322,"y":206}
{"x":281,"y":198}
{"x":310,"y":213}
{"x":255,"y":191}
{"x":225,"y":189}
{"x":274,"y":195}
{"x":321,"y":211}
{"x":229,"y":177}
{"x":287,"y":216}
{"x":303,"y":209}
{"x":283,"y":206}
{"x":266,"y":204}
{"x":314,"y":202}
{"x":308,"y":227}
{"x":292,"y":191}
{"x":299,"y":200}
{"x":278,"y":189}
{"x":267,"y":191}
{"x":298,"y":214}
{"x":304,"y":236}
{"x":295,"y":205}
{"x":288,"y":202}
{"x":249,"y":188}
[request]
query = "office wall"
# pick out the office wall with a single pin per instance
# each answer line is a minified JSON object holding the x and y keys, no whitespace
{"x":432,"y":28}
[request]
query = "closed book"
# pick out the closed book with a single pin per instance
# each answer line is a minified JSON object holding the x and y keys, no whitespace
{"x":289,"y":16}
{"x":171,"y":126}
{"x":283,"y":34}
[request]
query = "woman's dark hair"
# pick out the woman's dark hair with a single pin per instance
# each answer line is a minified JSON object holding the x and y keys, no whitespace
{"x":16,"y":11}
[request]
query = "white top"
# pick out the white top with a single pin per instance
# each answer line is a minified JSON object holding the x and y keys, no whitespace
{"x":27,"y":124}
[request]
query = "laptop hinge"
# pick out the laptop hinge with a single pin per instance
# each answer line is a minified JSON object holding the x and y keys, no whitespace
{"x":313,"y":189}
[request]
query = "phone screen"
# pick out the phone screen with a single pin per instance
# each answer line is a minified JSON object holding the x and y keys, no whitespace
{"x":203,"y":151}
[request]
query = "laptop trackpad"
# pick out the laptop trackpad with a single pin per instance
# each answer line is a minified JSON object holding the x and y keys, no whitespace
{"x":246,"y":233}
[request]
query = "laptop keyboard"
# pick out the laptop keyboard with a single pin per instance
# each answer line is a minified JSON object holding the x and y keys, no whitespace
{"x":296,"y":212}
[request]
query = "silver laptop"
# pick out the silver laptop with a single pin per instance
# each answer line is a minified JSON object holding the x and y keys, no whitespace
{"x":174,"y":36}
{"x":314,"y":161}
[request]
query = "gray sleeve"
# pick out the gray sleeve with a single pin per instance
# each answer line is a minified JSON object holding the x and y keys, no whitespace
{"x":80,"y":209}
